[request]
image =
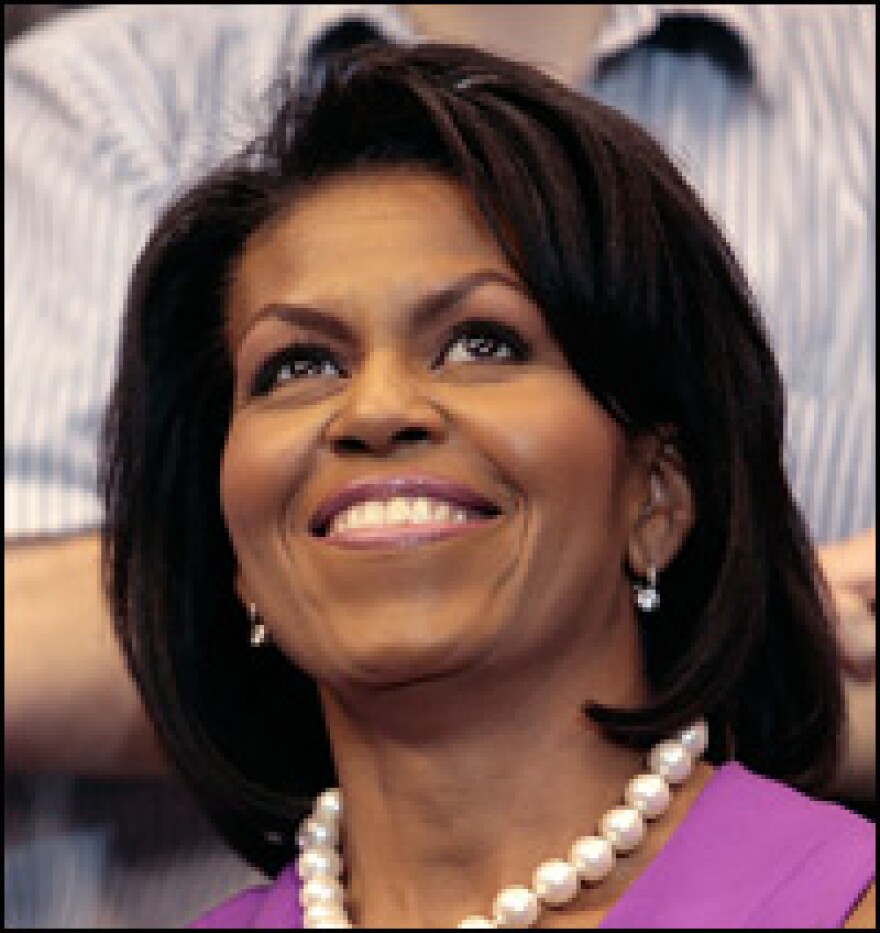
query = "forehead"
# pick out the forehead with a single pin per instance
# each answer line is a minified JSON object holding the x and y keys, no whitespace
{"x":394,"y":230}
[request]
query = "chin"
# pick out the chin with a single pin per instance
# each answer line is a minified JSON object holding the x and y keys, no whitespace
{"x":395,"y":652}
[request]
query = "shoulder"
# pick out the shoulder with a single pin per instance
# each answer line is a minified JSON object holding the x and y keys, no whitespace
{"x":237,"y":912}
{"x":145,"y":32}
{"x":268,"y":906}
{"x":829,"y":62}
{"x":753,"y":852}
{"x":171,"y":81}
{"x":776,"y":811}
{"x":805,"y":858}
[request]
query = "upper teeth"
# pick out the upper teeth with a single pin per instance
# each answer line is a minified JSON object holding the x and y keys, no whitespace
{"x":398,"y":511}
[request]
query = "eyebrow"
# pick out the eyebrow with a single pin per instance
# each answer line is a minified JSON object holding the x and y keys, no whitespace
{"x":428,"y":306}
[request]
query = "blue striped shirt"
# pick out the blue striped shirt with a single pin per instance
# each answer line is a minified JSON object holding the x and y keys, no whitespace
{"x":110,"y":116}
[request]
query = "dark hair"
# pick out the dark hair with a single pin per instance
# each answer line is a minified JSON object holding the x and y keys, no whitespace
{"x":654,"y":315}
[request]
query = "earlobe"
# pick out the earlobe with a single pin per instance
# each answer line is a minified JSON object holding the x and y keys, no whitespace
{"x":258,"y":633}
{"x":240,"y":588}
{"x":666,"y":512}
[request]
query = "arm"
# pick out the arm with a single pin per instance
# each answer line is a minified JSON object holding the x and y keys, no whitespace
{"x":70,"y":703}
{"x":89,"y":159}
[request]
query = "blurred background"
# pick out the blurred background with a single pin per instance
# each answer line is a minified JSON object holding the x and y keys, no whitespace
{"x":19,"y":17}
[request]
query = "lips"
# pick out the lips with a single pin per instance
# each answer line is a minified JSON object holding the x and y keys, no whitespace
{"x":385,"y":489}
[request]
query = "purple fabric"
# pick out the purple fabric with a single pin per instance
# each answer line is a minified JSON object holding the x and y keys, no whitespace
{"x":750,"y":854}
{"x":753,"y":853}
{"x":272,"y":906}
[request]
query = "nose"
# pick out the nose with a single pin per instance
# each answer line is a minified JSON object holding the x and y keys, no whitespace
{"x":385,"y":409}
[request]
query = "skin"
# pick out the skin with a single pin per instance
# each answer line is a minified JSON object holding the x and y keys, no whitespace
{"x":452,"y":673}
{"x":554,"y":37}
{"x":70,"y":706}
{"x":849,"y":567}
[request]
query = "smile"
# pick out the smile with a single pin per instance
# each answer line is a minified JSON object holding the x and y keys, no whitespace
{"x":400,"y":511}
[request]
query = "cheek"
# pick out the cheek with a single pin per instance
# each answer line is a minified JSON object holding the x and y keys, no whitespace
{"x":586,"y":453}
{"x":563,"y":452}
{"x":264,"y":461}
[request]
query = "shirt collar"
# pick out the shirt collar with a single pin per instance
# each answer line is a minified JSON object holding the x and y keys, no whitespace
{"x":756,"y":26}
{"x":312,"y":21}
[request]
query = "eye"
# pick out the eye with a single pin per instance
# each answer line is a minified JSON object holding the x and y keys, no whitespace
{"x":484,"y":341}
{"x":300,"y":361}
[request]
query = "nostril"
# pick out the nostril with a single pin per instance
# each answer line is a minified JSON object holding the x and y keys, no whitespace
{"x":352,"y":445}
{"x":376,"y":441}
{"x":412,"y":435}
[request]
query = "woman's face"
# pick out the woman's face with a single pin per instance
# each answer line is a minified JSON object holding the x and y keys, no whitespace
{"x":415,"y":482}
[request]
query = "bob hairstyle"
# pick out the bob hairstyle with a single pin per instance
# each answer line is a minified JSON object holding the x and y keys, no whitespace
{"x":654,"y":316}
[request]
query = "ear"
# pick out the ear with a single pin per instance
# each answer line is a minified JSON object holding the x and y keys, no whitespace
{"x":664,"y":512}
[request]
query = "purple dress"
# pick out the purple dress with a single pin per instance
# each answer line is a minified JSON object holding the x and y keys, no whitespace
{"x":750,"y":854}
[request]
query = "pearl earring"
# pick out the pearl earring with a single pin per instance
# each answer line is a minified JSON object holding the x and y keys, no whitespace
{"x":647,"y":595}
{"x":258,"y":629}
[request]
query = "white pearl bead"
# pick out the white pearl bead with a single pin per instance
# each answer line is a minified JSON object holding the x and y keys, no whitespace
{"x":695,"y":738}
{"x":325,"y":891}
{"x":671,"y":760}
{"x":317,"y":833}
{"x":322,"y":916}
{"x":516,"y":907}
{"x":649,"y":794}
{"x":475,"y":922}
{"x":593,"y":857}
{"x":319,"y":863}
{"x":555,"y":882}
{"x":328,"y":806}
{"x":624,"y":828}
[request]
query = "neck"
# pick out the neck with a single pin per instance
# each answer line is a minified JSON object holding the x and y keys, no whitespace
{"x":557,"y":38}
{"x":455,"y":790}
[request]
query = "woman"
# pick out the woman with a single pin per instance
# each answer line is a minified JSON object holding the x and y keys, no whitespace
{"x":444,"y":466}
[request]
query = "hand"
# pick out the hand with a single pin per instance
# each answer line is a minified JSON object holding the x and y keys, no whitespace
{"x":850,"y":568}
{"x":852,"y":563}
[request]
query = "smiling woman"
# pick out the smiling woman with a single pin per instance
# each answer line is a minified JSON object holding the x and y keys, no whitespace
{"x":449,"y":387}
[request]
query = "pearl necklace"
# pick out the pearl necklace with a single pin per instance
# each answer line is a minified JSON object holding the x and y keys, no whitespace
{"x":555,"y":882}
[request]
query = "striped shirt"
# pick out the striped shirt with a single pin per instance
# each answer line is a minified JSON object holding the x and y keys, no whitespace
{"x":111,"y":112}
{"x":768,"y":110}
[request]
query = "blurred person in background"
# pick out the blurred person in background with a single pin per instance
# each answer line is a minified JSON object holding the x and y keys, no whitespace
{"x":110,"y":111}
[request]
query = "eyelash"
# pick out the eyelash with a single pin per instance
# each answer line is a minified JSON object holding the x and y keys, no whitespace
{"x":492,"y":332}
{"x":268,"y":376}
{"x":483,"y":335}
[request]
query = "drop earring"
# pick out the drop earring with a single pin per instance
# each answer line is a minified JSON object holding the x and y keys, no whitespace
{"x":258,"y":629}
{"x":647,"y":595}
